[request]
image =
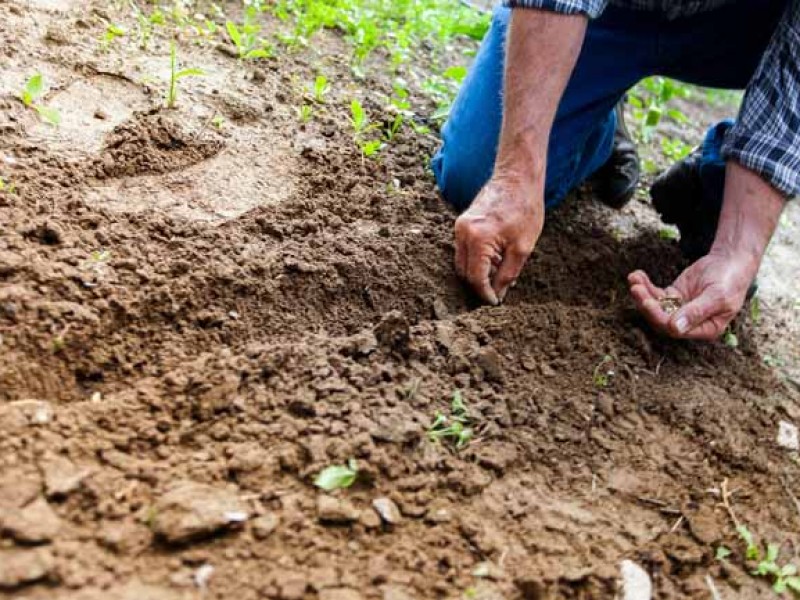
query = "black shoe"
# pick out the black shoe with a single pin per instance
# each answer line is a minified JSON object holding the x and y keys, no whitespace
{"x":615,"y":182}
{"x":681,"y":200}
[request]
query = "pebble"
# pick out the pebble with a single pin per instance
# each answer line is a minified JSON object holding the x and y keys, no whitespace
{"x":18,"y":567}
{"x":636,"y":584}
{"x":61,"y":476}
{"x":264,"y":525}
{"x":488,"y":359}
{"x":34,"y":524}
{"x":787,"y":436}
{"x":190,"y":511}
{"x":336,"y":511}
{"x":605,"y":404}
{"x":387,"y":510}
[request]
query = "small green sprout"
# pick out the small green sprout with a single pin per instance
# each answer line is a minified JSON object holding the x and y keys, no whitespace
{"x":246,"y":39}
{"x":456,"y":426}
{"x":729,"y":339}
{"x":218,"y":121}
{"x":305,"y":113}
{"x":321,"y":89}
{"x":362,"y":126}
{"x":33,"y":90}
{"x":755,"y":309}
{"x":112,"y":32}
{"x":337,"y":477}
{"x":7,"y":186}
{"x":783,"y":577}
{"x":722,"y":553}
{"x":602,"y":375}
{"x":668,"y":233}
{"x":176,"y":75}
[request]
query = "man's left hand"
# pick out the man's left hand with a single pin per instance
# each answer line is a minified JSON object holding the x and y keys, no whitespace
{"x":710,"y":294}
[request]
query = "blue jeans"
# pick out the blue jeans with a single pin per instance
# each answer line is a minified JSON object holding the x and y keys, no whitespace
{"x":719,"y":48}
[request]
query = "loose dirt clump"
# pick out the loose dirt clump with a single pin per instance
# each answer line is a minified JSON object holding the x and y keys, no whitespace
{"x":175,"y":373}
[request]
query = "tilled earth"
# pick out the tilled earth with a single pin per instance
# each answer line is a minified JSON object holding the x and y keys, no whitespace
{"x":195,"y":321}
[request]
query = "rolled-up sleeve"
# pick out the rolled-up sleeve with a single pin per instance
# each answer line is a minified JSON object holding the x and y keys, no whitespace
{"x":766,"y":136}
{"x":591,"y":8}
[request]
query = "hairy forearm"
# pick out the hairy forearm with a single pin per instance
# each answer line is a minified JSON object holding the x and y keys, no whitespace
{"x":750,"y":213}
{"x":541,"y":52}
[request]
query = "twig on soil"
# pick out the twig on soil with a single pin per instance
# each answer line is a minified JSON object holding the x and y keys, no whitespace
{"x":660,"y":362}
{"x":677,"y":524}
{"x":789,"y":493}
{"x":725,"y":494}
{"x":715,"y":595}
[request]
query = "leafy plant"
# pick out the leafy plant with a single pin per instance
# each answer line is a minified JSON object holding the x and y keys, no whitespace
{"x":33,"y":90}
{"x":730,"y":339}
{"x":602,"y":374}
{"x":112,"y":32}
{"x":176,"y":75}
{"x":362,"y":126}
{"x":456,"y":426}
{"x":321,"y":88}
{"x":7,"y":186}
{"x":245,"y":38}
{"x":305,"y":113}
{"x":337,"y":477}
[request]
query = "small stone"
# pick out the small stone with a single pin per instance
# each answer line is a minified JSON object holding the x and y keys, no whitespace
{"x":264,"y":525}
{"x":440,"y":309}
{"x":488,"y":359}
{"x":605,"y":404}
{"x":370,"y":519}
{"x":547,"y":370}
{"x":202,"y":576}
{"x":100,"y":114}
{"x":61,"y":476}
{"x":190,"y":511}
{"x":34,"y":524}
{"x":37,"y":412}
{"x":125,"y":537}
{"x":18,"y":567}
{"x":787,"y":436}
{"x":636,"y":584}
{"x":334,"y":511}
{"x":340,"y":594}
{"x":488,"y":570}
{"x":387,"y":510}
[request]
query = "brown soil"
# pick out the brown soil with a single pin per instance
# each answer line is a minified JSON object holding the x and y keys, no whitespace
{"x":193,"y":323}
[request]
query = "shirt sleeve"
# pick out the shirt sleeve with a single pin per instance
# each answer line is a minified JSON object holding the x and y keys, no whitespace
{"x":590,"y":8}
{"x":766,"y":136}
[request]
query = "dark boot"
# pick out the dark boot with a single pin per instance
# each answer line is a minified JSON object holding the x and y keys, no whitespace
{"x":680,"y":198}
{"x":615,"y":182}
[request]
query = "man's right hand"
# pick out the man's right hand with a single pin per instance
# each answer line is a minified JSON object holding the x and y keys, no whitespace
{"x":495,"y":236}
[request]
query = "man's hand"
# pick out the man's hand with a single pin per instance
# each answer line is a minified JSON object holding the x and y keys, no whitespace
{"x":495,"y":236}
{"x":499,"y":230}
{"x":711,"y":292}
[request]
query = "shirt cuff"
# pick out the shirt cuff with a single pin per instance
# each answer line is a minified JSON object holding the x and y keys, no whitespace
{"x":774,"y":160}
{"x":590,"y":8}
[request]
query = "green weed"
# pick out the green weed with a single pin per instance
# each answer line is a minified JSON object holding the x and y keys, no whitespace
{"x":454,"y":427}
{"x":305,"y":113}
{"x":7,"y":186}
{"x":730,"y":339}
{"x":321,"y":88}
{"x":176,"y":75}
{"x":337,"y":477}
{"x":33,"y":90}
{"x":361,"y":127}
{"x":603,"y":373}
{"x":112,"y":32}
{"x":245,"y":38}
{"x":755,"y":309}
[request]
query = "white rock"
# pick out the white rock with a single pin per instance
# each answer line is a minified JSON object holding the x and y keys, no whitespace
{"x":636,"y":584}
{"x":787,"y":436}
{"x":202,"y":575}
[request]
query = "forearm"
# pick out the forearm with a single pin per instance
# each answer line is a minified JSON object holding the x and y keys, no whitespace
{"x":750,"y":213}
{"x":541,"y":52}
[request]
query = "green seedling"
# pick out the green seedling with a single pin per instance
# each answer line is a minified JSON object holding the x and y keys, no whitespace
{"x":112,"y":32}
{"x":7,"y":186}
{"x":218,"y":121}
{"x":321,"y":88}
{"x":755,"y":309}
{"x":176,"y":75}
{"x":362,"y":126}
{"x":603,"y":373}
{"x":305,"y":113}
{"x":668,"y":233}
{"x":455,"y":427}
{"x":246,"y":39}
{"x":783,"y":577}
{"x":337,"y":477}
{"x":33,"y":90}
{"x":729,"y":339}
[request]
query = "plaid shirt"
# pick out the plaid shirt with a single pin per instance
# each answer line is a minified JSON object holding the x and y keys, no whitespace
{"x":766,"y":137}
